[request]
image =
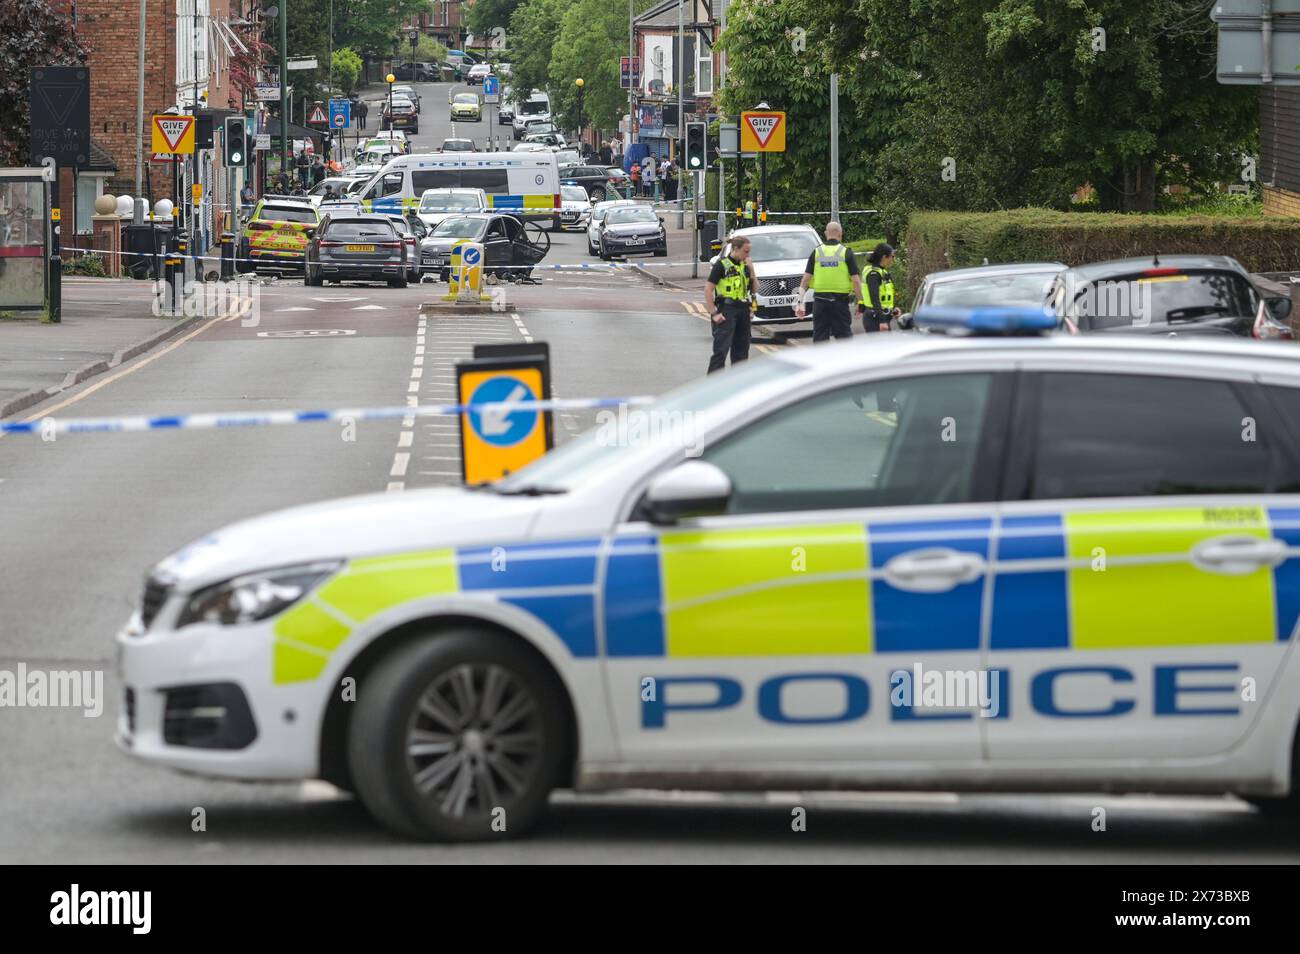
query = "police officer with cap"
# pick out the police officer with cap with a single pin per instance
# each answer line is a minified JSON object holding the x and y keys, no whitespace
{"x":727,"y":295}
{"x":836,"y":283}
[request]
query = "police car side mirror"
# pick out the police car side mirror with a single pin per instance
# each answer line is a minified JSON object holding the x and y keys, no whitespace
{"x":694,"y":488}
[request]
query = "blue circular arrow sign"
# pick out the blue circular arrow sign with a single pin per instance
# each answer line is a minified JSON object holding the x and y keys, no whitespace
{"x":502,"y":426}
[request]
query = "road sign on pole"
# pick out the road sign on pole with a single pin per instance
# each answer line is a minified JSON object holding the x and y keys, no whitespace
{"x":629,"y":72}
{"x":173,"y":133}
{"x":500,"y":438}
{"x":317,"y":116}
{"x":762,"y":131}
{"x":340,"y":114}
{"x":491,"y":89}
{"x":60,"y":115}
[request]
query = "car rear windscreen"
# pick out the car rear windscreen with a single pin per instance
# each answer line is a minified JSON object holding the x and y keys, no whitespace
{"x":1161,"y":297}
{"x":290,"y":213}
{"x":348,"y":230}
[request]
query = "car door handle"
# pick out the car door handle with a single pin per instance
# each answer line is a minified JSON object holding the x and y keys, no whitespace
{"x":935,"y":570}
{"x":1238,"y":555}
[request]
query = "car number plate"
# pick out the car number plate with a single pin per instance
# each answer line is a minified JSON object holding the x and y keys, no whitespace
{"x":784,"y":300}
{"x":361,"y":248}
{"x":636,"y":241}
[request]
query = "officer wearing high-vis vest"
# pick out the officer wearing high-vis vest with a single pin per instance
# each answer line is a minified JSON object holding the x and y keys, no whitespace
{"x":877,"y":302}
{"x":727,"y":296}
{"x":836,"y":283}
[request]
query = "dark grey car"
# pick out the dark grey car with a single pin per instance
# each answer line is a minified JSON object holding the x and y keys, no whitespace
{"x":632,"y":230}
{"x":356,"y":248}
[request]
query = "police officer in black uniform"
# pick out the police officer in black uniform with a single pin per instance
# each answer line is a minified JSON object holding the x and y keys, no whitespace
{"x":727,"y":296}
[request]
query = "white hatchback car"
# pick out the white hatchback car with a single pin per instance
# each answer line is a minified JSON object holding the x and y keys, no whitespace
{"x":900,"y":562}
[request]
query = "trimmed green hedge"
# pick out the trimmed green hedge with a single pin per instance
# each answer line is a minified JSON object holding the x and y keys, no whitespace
{"x":940,"y":240}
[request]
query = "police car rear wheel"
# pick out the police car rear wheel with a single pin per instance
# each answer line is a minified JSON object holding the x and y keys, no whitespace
{"x":457,"y":735}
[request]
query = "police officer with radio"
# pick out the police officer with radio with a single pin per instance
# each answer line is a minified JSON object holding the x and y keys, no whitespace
{"x":834,"y":275}
{"x":877,"y":301}
{"x":727,"y":296}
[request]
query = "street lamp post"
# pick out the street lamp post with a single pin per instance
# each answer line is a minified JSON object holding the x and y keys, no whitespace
{"x":390,"y":79}
{"x":580,"y":83}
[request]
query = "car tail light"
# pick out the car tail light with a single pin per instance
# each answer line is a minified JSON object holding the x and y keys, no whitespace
{"x":1156,"y":272}
{"x":327,"y":244}
{"x":1267,"y":329}
{"x":388,"y":245}
{"x":556,"y":197}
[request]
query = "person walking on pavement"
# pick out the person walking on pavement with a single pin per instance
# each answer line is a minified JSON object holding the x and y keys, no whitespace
{"x":606,"y":157}
{"x":636,"y":178}
{"x":361,"y":109}
{"x":317,"y":171}
{"x":302,"y":164}
{"x":648,"y":176}
{"x":728,"y":295}
{"x":876,"y":301}
{"x":668,"y":172}
{"x":834,"y":275}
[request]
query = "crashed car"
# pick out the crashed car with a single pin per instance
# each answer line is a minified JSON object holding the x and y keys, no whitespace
{"x":510,"y":248}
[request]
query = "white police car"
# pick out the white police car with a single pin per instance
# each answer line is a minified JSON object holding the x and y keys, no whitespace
{"x":1012,"y":563}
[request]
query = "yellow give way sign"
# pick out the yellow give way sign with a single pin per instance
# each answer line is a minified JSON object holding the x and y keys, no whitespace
{"x":497,"y":438}
{"x":173,"y":134}
{"x":762,"y":131}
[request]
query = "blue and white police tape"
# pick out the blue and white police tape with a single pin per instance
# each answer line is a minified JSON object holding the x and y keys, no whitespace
{"x":52,"y":426}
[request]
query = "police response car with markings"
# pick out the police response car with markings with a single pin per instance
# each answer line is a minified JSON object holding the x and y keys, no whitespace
{"x":1106,"y":528}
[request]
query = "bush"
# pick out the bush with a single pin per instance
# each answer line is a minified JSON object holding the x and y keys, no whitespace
{"x":89,"y":263}
{"x":941,"y":240}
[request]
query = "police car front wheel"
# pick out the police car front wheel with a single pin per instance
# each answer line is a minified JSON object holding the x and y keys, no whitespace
{"x":458,"y":736}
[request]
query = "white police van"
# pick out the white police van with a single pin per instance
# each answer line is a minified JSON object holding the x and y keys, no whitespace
{"x":914,"y":562}
{"x":523,"y":184}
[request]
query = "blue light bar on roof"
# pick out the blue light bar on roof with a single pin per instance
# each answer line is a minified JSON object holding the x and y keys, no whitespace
{"x":987,"y":319}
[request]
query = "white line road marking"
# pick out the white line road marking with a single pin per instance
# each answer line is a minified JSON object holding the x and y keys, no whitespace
{"x":400,"y":460}
{"x":404,"y":439}
{"x":440,"y":473}
{"x":415,"y":386}
{"x":419,"y":349}
{"x":417,"y":373}
{"x":396,"y":485}
{"x":419,"y":360}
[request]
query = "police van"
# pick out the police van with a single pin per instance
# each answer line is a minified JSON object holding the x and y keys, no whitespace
{"x":1003,"y":562}
{"x":526,"y":185}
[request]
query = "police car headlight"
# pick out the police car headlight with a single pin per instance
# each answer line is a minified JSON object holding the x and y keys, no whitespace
{"x":256,"y":596}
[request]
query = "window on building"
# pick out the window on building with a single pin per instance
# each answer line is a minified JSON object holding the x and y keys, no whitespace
{"x":89,"y":188}
{"x":704,"y":71}
{"x":659,"y":63}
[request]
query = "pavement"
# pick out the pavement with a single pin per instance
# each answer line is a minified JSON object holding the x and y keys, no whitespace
{"x":104,"y":322}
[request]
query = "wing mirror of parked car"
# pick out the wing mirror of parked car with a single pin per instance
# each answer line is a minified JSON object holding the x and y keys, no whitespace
{"x":1279,"y":309}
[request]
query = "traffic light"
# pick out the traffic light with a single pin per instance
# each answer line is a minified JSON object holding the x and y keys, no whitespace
{"x":696,"y":144}
{"x":236,"y":141}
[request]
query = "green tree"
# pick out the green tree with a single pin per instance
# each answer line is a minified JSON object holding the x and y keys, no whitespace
{"x":429,"y":50}
{"x":34,"y":34}
{"x":533,"y":28}
{"x":591,"y":38}
{"x":487,"y":15}
{"x":347,"y":69}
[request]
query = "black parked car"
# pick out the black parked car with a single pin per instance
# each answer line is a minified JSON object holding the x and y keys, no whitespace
{"x":356,"y":248}
{"x":632,"y":230}
{"x":1167,"y":295}
{"x":594,"y":179}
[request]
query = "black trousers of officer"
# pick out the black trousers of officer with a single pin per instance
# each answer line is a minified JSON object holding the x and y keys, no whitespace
{"x":831,"y":317}
{"x":731,"y":335}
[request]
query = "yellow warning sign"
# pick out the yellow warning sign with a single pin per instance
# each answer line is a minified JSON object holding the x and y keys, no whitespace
{"x":497,"y":436}
{"x":196,"y":191}
{"x":173,"y":134}
{"x":56,"y":215}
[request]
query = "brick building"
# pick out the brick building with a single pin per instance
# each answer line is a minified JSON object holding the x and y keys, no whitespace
{"x":1279,"y":139}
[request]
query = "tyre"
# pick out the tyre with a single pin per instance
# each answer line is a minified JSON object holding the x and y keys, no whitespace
{"x":556,"y":226}
{"x":661,"y":253}
{"x":310,"y":280}
{"x":243,"y":260}
{"x":451,"y":729}
{"x":397,"y":282}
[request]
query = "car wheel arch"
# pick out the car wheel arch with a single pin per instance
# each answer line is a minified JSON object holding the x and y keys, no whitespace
{"x":332,"y":740}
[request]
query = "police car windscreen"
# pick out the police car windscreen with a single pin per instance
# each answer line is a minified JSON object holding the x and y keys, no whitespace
{"x":775,"y":248}
{"x":1000,"y":290}
{"x":288,"y":213}
{"x":1127,"y":300}
{"x":444,"y":201}
{"x":534,"y":107}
